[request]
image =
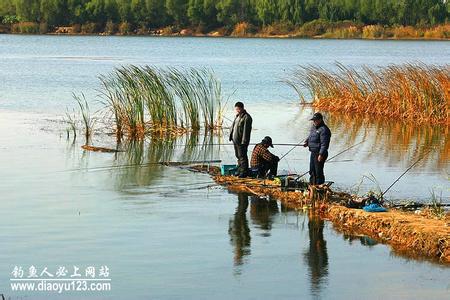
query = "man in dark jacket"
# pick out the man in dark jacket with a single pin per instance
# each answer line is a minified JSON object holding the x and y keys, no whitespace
{"x":263,"y":161}
{"x":240,"y":136}
{"x":318,"y":143}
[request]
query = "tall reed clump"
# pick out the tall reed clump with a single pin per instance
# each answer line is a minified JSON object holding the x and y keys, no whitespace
{"x":81,"y":115}
{"x":415,"y":92}
{"x":148,"y":99}
{"x":71,"y":120}
{"x":86,"y":116}
{"x":437,"y":210}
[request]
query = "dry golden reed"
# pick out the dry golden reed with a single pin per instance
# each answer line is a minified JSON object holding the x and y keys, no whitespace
{"x":414,"y":92}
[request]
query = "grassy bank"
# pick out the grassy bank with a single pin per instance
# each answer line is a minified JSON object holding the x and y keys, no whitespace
{"x":411,"y":92}
{"x":314,"y":29}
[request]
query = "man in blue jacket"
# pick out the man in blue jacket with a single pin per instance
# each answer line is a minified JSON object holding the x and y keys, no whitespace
{"x":318,"y":143}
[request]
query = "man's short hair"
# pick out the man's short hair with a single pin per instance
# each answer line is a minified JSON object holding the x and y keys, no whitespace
{"x":239,"y":104}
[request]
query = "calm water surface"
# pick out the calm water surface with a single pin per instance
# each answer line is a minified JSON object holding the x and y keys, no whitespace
{"x":168,"y":233}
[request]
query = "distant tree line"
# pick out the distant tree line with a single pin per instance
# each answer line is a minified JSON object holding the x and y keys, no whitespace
{"x":226,"y":13}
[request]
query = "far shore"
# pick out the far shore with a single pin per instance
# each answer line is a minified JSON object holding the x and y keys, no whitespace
{"x":253,"y":36}
{"x":243,"y":30}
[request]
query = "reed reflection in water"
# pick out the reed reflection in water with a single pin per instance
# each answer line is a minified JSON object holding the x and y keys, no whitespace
{"x":385,"y":149}
{"x":141,"y":162}
{"x":395,"y":141}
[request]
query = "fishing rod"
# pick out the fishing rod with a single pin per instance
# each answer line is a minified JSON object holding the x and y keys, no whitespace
{"x":409,"y":168}
{"x":417,"y":205}
{"x":230,"y":144}
{"x":295,"y":146}
{"x":333,"y":157}
{"x":165,"y":187}
{"x":163,"y":163}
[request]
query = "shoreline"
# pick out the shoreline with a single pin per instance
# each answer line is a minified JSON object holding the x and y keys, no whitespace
{"x":314,"y":30}
{"x":258,"y":36}
{"x":407,"y":233}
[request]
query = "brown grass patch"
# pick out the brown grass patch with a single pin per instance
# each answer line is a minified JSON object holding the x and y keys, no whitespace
{"x":418,"y":93}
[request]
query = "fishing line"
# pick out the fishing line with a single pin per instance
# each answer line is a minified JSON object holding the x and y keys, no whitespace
{"x":168,"y":163}
{"x":230,"y":144}
{"x":331,"y":158}
{"x":295,"y":146}
{"x":409,"y":168}
{"x":210,"y":182}
{"x":190,"y":189}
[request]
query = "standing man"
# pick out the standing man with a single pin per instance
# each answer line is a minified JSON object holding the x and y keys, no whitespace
{"x":318,"y":143}
{"x":240,"y":136}
{"x":263,"y":161}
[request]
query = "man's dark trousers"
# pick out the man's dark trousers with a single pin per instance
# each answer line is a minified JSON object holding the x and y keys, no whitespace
{"x":316,"y":168}
{"x":268,"y":166}
{"x":241,"y":153}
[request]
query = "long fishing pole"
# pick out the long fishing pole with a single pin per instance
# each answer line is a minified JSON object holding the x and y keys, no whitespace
{"x":295,"y":146}
{"x":165,"y":187}
{"x":163,"y":163}
{"x":417,"y":205}
{"x":333,"y":157}
{"x":172,"y":162}
{"x":406,"y":171}
{"x":230,"y":144}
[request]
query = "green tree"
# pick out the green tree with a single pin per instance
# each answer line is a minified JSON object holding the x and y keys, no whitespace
{"x":202,"y":12}
{"x":267,"y":11}
{"x":7,"y":8}
{"x":231,"y":12}
{"x":139,"y":12}
{"x":73,"y":12}
{"x":211,"y":13}
{"x":112,"y":10}
{"x":49,"y":11}
{"x":291,"y":11}
{"x":177,"y":10}
{"x":95,"y":10}
{"x":438,"y":13}
{"x":311,"y":10}
{"x":156,"y":11}
{"x":28,"y":10}
{"x":124,"y":11}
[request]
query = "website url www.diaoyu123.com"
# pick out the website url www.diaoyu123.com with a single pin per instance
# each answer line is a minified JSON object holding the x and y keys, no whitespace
{"x":61,"y":285}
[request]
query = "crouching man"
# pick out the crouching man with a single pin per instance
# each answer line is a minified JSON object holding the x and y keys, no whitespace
{"x":264,"y":162}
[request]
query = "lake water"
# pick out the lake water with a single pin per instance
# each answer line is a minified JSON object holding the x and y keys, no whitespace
{"x":168,"y":233}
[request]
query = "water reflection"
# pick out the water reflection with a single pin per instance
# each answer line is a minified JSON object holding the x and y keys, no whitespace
{"x":363,"y":239}
{"x":138,"y":163}
{"x":390,"y":141}
{"x":316,"y":256}
{"x":239,"y":231}
{"x":395,"y":141}
{"x":263,"y":214}
{"x":142,"y":160}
